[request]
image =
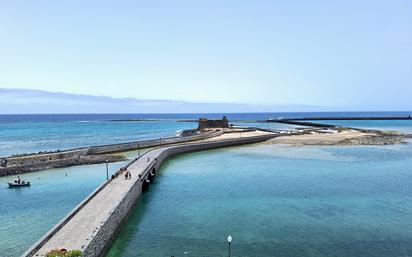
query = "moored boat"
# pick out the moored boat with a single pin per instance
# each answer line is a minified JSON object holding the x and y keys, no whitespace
{"x":19,"y":183}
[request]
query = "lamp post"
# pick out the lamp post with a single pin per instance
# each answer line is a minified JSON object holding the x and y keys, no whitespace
{"x":107,"y":169}
{"x":229,"y":240}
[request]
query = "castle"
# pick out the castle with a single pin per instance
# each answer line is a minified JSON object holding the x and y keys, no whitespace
{"x":205,"y":123}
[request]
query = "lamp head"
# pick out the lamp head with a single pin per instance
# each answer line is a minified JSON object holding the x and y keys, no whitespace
{"x":229,"y":239}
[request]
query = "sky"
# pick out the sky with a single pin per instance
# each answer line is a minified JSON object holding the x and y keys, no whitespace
{"x":348,"y":53}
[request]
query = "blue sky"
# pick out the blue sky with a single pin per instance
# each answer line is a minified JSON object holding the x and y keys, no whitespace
{"x":324,"y":53}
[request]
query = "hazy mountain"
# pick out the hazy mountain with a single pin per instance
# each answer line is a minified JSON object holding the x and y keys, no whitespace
{"x":18,"y":101}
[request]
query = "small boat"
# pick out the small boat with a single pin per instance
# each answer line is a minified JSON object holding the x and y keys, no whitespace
{"x":19,"y":183}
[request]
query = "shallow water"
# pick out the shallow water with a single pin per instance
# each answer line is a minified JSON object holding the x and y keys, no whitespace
{"x":358,"y":200}
{"x":33,"y":133}
{"x":277,"y":201}
{"x":27,"y":213}
{"x":29,"y":137}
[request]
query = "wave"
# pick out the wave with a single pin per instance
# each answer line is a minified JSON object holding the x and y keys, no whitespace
{"x":126,"y":120}
{"x":85,"y":121}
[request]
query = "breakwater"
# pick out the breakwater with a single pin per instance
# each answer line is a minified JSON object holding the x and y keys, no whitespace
{"x":355,"y":118}
{"x":18,"y":164}
{"x":303,"y":123}
{"x":94,"y":224}
{"x":306,"y":120}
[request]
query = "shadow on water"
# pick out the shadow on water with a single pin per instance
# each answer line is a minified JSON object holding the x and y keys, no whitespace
{"x":131,"y":225}
{"x":128,"y":228}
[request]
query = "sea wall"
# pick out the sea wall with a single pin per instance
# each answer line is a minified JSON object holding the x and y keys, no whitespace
{"x":34,"y":248}
{"x":108,"y":231}
{"x":175,"y":150}
{"x":35,"y":159}
{"x":91,"y":155}
{"x":103,"y":239}
{"x":104,"y":149}
{"x":106,"y":234}
{"x":60,"y":163}
{"x":109,"y":228}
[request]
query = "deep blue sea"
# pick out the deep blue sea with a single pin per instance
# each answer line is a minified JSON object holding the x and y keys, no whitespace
{"x":274,"y":200}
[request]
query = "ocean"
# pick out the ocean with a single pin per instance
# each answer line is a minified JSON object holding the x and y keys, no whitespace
{"x":274,"y":200}
{"x":33,"y":133}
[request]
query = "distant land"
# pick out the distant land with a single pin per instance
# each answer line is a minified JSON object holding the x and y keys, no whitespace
{"x":27,"y":101}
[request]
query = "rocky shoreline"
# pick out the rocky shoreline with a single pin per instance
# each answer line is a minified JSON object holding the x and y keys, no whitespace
{"x":23,"y":163}
{"x":379,"y":138}
{"x":67,"y":162}
{"x":342,"y":136}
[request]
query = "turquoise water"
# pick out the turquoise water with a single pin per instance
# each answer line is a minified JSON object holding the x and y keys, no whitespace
{"x":358,"y":199}
{"x":27,"y":213}
{"x":277,"y":201}
{"x":29,"y":136}
{"x":34,"y":133}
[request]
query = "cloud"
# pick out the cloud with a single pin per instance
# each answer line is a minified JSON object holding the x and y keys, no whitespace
{"x":25,"y":101}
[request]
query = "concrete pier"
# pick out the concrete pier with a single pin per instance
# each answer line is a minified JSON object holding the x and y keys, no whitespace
{"x":94,"y":223}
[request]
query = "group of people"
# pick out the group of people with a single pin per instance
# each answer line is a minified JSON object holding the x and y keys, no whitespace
{"x":19,"y":181}
{"x":128,"y":175}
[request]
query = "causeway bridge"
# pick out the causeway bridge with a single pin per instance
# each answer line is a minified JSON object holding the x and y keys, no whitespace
{"x":93,"y":224}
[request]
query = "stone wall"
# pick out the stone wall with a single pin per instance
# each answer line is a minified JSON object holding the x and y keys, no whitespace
{"x":174,"y":150}
{"x":59,"y":163}
{"x":35,"y":159}
{"x":207,"y":124}
{"x":103,"y":239}
{"x":39,"y":244}
{"x":147,"y":143}
{"x":91,"y":155}
{"x":105,"y":235}
{"x":99,"y":245}
{"x":108,"y":231}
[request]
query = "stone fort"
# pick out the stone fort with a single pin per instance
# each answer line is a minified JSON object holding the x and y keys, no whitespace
{"x":205,"y":123}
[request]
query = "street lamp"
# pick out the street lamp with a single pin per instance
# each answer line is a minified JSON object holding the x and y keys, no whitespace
{"x":229,"y":240}
{"x":107,"y":169}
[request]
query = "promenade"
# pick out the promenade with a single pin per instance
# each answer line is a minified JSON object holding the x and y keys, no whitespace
{"x":93,"y":227}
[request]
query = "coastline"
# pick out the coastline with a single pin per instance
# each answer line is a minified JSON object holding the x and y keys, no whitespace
{"x":331,"y":135}
{"x":24,"y":163}
{"x":342,"y":136}
{"x":295,"y":137}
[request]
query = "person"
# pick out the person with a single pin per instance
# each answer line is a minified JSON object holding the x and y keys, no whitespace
{"x":148,"y":159}
{"x":130,"y":175}
{"x":125,"y":175}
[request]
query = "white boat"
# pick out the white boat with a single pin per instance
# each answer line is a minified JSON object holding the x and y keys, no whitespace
{"x":19,"y":183}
